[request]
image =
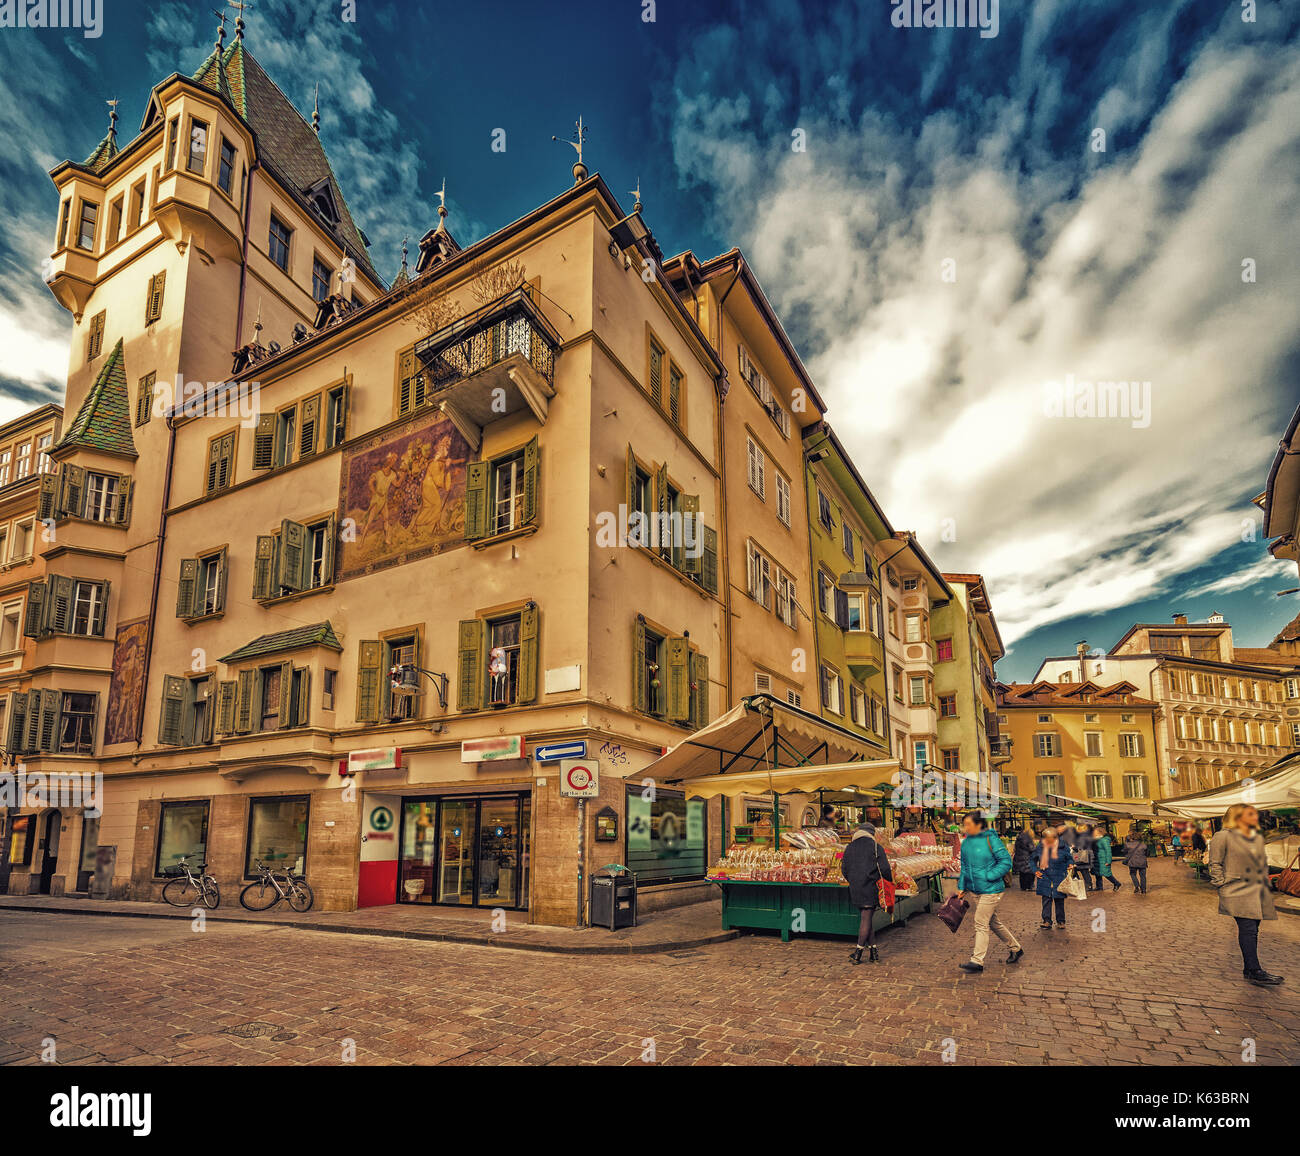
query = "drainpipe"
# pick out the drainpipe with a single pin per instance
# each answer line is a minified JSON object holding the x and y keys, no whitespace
{"x":157,"y":574}
{"x":243,"y":259}
{"x":722,"y":473}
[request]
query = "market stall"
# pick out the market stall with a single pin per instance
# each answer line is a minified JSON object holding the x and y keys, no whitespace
{"x":785,"y":877}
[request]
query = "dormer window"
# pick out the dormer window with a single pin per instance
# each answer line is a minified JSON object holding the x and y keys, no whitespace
{"x":321,"y":199}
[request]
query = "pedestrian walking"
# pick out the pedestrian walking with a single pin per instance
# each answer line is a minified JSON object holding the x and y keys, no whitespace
{"x":1022,"y":858}
{"x":864,"y":865}
{"x":1067,"y":836}
{"x":1198,"y":839}
{"x":984,"y":864}
{"x":1083,"y":855}
{"x":1054,"y":862}
{"x":1102,"y":850}
{"x":1239,"y":869}
{"x":1177,"y":844}
{"x":1135,"y":859}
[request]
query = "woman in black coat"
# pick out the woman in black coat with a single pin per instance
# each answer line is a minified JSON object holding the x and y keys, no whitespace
{"x":864,"y":865}
{"x":1022,"y":859}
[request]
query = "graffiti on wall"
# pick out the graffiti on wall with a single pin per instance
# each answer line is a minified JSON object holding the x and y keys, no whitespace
{"x":402,"y":495}
{"x":126,"y":686}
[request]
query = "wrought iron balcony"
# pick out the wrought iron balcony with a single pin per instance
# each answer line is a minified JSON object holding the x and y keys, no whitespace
{"x":507,"y":346}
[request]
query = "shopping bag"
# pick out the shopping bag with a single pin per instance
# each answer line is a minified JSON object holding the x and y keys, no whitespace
{"x":952,"y":912}
{"x":1288,"y":882}
{"x":885,"y":893}
{"x":1072,"y":886}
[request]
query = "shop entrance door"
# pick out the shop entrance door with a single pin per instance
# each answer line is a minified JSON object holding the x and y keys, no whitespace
{"x":89,"y":845}
{"x":456,"y":831}
{"x":50,"y":863}
{"x":465,"y":851}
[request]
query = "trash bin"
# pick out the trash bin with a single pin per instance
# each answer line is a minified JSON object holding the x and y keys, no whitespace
{"x":613,"y":898}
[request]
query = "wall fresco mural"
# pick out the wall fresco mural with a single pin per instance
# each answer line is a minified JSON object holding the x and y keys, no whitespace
{"x":402,"y":495}
{"x":126,"y":686}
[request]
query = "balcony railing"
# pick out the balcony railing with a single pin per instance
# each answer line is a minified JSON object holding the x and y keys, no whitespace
{"x":487,"y":337}
{"x":999,"y":747}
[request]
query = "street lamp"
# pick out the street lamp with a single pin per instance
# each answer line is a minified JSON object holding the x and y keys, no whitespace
{"x":404,"y":679}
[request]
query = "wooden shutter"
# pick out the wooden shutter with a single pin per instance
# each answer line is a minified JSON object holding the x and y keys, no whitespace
{"x":302,"y":708}
{"x":51,"y":708}
{"x":144,"y":399}
{"x":678,"y":661}
{"x":656,"y":374}
{"x":209,"y":715}
{"x":476,"y":501}
{"x":32,"y":730}
{"x":122,"y":511}
{"x":709,"y":562}
{"x":691,"y":557}
{"x":370,"y":662}
{"x":72,"y":492}
{"x":47,"y":502}
{"x":286,"y":695}
{"x":532,"y":481}
{"x":34,"y":619}
{"x":529,"y":653}
{"x":58,"y":615}
{"x":639,"y":697}
{"x":629,"y":483}
{"x":293,"y":556}
{"x":226,"y":694}
{"x":661,"y":503}
{"x":342,"y":434}
{"x":15,"y":735}
{"x":405,"y":380}
{"x":700,"y":695}
{"x":95,"y":343}
{"x":309,"y":431}
{"x":331,"y":549}
{"x":223,"y":568}
{"x":469,"y":665}
{"x":153,"y":303}
{"x":245,"y":692}
{"x":674,"y":395}
{"x":214,"y":463}
{"x":172,"y":716}
{"x":841,"y":609}
{"x":264,"y":568}
{"x":264,"y":442}
{"x":187,"y":586}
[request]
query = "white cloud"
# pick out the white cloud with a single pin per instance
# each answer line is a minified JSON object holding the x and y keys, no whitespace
{"x":1121,"y":267}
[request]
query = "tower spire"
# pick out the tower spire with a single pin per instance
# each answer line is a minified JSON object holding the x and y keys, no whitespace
{"x":315,"y":112}
{"x":221,"y":30}
{"x":240,"y":6}
{"x":636,"y":194}
{"x":442,"y":208}
{"x":112,"y":119}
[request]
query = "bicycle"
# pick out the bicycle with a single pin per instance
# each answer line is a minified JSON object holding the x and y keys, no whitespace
{"x":185,"y":888}
{"x":268,"y":889}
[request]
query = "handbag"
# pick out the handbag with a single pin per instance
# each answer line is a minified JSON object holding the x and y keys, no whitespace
{"x":953,"y":911}
{"x":1073,"y":887}
{"x":1288,"y":882}
{"x":885,"y":889}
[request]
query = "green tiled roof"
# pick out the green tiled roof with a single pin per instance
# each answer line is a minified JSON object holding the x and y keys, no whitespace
{"x":104,"y":152}
{"x":104,"y":420}
{"x":286,"y":141}
{"x":319,"y":634}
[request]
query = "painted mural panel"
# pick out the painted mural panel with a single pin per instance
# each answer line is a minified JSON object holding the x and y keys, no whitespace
{"x":126,"y":686}
{"x":402,"y":495}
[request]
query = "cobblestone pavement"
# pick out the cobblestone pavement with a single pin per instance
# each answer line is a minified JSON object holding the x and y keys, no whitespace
{"x":1160,"y":984}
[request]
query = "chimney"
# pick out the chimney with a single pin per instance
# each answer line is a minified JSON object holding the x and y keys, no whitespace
{"x":1081,"y":650}
{"x":1180,"y":619}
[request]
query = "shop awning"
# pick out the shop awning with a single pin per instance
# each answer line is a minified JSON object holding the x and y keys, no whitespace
{"x":761,"y":734}
{"x":1091,"y":808}
{"x":861,"y":777}
{"x":1270,"y":790}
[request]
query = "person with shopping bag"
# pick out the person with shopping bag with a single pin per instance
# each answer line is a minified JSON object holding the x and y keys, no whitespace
{"x":1055,"y":863}
{"x":867,"y":872}
{"x":984,"y":865}
{"x":1104,"y":856}
{"x":1135,"y":859}
{"x":1239,"y":870}
{"x":1083,"y":855}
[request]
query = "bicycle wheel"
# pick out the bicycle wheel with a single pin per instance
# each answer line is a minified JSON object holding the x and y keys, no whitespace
{"x":180,"y":893}
{"x":211,"y":894}
{"x":300,"y":896}
{"x":259,"y":896}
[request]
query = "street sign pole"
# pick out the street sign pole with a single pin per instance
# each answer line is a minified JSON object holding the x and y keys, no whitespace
{"x":582,"y":839}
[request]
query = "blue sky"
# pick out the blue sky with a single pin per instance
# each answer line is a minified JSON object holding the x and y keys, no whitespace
{"x":923,"y":147}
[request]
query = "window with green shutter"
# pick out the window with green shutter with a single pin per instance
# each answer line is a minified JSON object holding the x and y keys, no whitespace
{"x":144,"y":398}
{"x":469,"y":665}
{"x":221,"y":462}
{"x":677,"y":654}
{"x":370,"y":671}
{"x":154,"y":301}
{"x":264,"y":442}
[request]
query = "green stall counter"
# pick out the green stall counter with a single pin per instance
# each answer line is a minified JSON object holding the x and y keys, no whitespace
{"x":751,"y":904}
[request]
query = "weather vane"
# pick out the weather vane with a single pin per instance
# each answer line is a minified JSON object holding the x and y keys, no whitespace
{"x":579,"y":139}
{"x":636,"y":196}
{"x":112,"y":115}
{"x":442,"y":201}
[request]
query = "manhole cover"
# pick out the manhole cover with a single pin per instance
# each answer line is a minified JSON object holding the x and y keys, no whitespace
{"x":255,"y":1029}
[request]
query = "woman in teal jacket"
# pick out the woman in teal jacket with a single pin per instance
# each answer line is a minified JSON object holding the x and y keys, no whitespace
{"x":1101,"y":849}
